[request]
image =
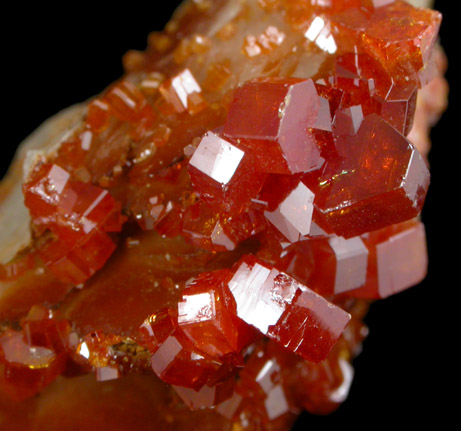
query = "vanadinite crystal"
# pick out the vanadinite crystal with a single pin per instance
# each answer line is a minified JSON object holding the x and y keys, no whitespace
{"x":206,"y":241}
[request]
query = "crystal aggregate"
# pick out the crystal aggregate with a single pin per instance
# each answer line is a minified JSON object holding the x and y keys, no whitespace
{"x":290,"y":207}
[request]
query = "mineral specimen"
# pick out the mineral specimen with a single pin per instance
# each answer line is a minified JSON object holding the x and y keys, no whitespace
{"x":208,"y":235}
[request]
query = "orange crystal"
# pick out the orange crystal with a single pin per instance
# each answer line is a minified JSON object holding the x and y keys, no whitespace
{"x":285,"y":108}
{"x":78,"y":214}
{"x":381,"y":180}
{"x":213,"y":230}
{"x":35,"y":356}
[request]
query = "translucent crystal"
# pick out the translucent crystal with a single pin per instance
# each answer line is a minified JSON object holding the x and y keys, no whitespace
{"x":277,"y":113}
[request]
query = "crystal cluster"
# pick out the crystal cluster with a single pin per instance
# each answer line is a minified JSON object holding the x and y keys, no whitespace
{"x":226,"y":230}
{"x":79,"y":215}
{"x":36,"y":355}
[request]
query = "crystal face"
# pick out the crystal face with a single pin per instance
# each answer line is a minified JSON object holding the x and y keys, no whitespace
{"x":207,"y":240}
{"x":206,"y":318}
{"x":286,"y":108}
{"x":224,"y":175}
{"x":294,"y":215}
{"x":398,"y":39}
{"x":183,"y":93}
{"x":78,"y":214}
{"x":397,"y":259}
{"x":217,"y":159}
{"x":387,"y":177}
{"x":286,"y":311}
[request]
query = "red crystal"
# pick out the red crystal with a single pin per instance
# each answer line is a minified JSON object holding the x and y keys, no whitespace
{"x":276,"y":113}
{"x":310,"y":326}
{"x":78,"y":214}
{"x":224,"y":175}
{"x":267,"y":202}
{"x":262,"y":379}
{"x":207,"y":396}
{"x":28,"y":369}
{"x":35,"y":356}
{"x":43,"y":192}
{"x":285,"y":310}
{"x":383,"y":180}
{"x":366,"y":89}
{"x":78,"y":263}
{"x":397,"y":260}
{"x":324,"y":386}
{"x":175,"y":358}
{"x":204,"y":228}
{"x":183,"y":93}
{"x":401,"y":38}
{"x":293,"y":216}
{"x":205,"y":315}
{"x":98,"y":115}
{"x":329,"y":266}
{"x":125,"y":101}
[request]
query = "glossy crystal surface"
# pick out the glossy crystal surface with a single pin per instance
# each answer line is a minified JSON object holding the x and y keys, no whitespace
{"x":207,"y":240}
{"x":79,"y":215}
{"x":285,"y":109}
{"x":383,"y":180}
{"x":397,"y":259}
{"x":285,"y":310}
{"x":224,"y":175}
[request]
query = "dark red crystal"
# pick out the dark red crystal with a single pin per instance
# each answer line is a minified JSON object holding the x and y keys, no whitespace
{"x":212,"y":232}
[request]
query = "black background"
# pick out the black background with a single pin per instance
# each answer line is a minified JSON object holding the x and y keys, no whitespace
{"x":52,"y":58}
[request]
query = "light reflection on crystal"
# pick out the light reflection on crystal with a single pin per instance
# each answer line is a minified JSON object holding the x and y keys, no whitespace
{"x":416,"y":179}
{"x":293,"y":216}
{"x":226,"y":208}
{"x":206,"y":397}
{"x":276,"y":403}
{"x":185,"y":84}
{"x":15,"y":350}
{"x":216,"y":158}
{"x":252,"y":288}
{"x":320,"y":32}
{"x":83,"y":350}
{"x":229,"y":407}
{"x":107,"y":373}
{"x":340,"y":394}
{"x":264,"y":377}
{"x":87,"y":137}
{"x":401,"y":260}
{"x":184,"y":93}
{"x":196,"y":308}
{"x":277,"y":136}
{"x":165,"y":355}
{"x":351,"y":263}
